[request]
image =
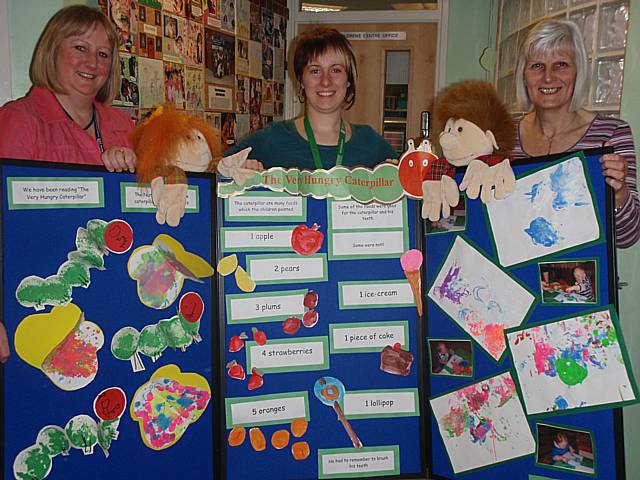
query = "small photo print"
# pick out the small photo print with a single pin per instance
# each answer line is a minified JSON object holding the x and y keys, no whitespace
{"x":451,"y":357}
{"x":456,"y":222}
{"x":568,"y":282}
{"x":565,"y":449}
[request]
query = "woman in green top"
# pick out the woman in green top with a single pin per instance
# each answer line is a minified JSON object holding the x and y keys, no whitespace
{"x":325,"y":68}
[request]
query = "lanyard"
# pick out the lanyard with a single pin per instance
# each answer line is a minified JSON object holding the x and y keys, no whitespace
{"x":314,"y":146}
{"x":97,"y":131}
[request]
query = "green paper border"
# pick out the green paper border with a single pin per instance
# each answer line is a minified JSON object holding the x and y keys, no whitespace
{"x":267,"y":218}
{"x":324,"y":277}
{"x":337,"y":326}
{"x":532,"y":307}
{"x":296,"y":368}
{"x":625,"y":357}
{"x":575,"y":429}
{"x":601,"y":238}
{"x":12,"y":206}
{"x":572,"y":304}
{"x":234,"y":400}
{"x":123,"y":199}
{"x":524,"y":411}
{"x":416,"y":403}
{"x":264,"y":248}
{"x":329,"y":451}
{"x":372,"y":282}
{"x":439,"y":339}
{"x":261,"y":319}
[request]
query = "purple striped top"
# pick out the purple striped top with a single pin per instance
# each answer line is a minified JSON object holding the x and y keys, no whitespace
{"x":618,"y":133}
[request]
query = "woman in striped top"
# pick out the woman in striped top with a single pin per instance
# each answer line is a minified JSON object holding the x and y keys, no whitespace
{"x":553,"y":86}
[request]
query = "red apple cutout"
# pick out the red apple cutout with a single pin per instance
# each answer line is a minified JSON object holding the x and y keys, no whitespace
{"x":110,"y":403}
{"x":305,"y":240}
{"x":118,"y":236}
{"x":191,"y":307}
{"x":291,"y":325}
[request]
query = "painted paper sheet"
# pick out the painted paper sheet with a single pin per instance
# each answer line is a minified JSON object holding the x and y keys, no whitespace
{"x":483,"y":424}
{"x":480,"y":297}
{"x":577,"y":362}
{"x":550,"y":211}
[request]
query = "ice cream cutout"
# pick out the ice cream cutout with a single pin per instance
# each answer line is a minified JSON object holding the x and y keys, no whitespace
{"x":62,"y":344}
{"x":160,"y":269}
{"x":411,"y":262}
{"x":81,"y":432}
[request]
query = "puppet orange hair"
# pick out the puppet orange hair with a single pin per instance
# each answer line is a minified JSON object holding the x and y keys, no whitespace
{"x":477,"y":102}
{"x":157,"y":139}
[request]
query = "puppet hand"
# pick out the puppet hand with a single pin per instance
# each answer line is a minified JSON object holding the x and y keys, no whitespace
{"x":505,"y":180}
{"x":119,"y":159}
{"x":475,"y":178}
{"x":438,"y":195}
{"x":448,"y":194}
{"x":237,"y":166}
{"x":4,"y":345}
{"x":170,"y":200}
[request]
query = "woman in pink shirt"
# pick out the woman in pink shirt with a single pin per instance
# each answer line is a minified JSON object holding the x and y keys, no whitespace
{"x":66,"y":116}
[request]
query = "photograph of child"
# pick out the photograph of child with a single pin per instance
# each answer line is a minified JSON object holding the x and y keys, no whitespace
{"x":568,"y":282}
{"x":451,"y":357}
{"x":456,"y":222}
{"x":563,"y":448}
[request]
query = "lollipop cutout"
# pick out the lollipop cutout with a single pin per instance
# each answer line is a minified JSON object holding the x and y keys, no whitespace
{"x":330,"y":391}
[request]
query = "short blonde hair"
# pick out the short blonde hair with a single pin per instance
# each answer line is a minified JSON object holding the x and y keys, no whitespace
{"x":550,"y":36}
{"x":68,"y":22}
{"x":318,"y":41}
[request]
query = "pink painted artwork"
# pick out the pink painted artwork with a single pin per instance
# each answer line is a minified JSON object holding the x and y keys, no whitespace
{"x":571,"y":363}
{"x":483,"y":424}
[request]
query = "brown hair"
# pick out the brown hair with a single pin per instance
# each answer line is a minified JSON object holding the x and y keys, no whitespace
{"x":477,"y":102}
{"x":316,"y":42}
{"x":68,"y":22}
{"x":157,"y":139}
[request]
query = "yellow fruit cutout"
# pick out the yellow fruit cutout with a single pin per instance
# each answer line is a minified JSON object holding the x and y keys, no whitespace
{"x":167,"y":404}
{"x":244,"y":281}
{"x":228,"y":265}
{"x":62,"y":344}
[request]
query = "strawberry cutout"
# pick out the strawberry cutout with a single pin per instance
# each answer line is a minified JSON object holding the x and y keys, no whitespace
{"x":256,"y":380}
{"x":310,"y":318}
{"x":291,"y":325}
{"x":259,"y":336}
{"x":237,"y":342}
{"x":235,"y":370}
{"x":305,"y":240}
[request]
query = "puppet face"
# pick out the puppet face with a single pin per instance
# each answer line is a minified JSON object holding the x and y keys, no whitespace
{"x":463,"y":141}
{"x":413,"y":170}
{"x":193,"y":154}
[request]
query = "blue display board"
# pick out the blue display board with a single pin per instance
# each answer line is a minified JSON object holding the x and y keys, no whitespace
{"x":362,"y":292}
{"x":596,"y":430}
{"x":38,"y":233}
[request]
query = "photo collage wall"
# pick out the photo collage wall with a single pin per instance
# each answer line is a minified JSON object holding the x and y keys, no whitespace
{"x":221,"y":59}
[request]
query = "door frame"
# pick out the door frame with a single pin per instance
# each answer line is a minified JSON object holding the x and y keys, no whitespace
{"x":438,"y":16}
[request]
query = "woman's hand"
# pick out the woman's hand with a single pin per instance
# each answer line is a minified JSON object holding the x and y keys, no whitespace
{"x":119,"y":159}
{"x":4,"y":345}
{"x":614,"y":168}
{"x":253,"y":165}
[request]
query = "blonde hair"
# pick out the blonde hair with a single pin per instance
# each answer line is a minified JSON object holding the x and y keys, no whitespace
{"x":68,"y":22}
{"x":317,"y":42}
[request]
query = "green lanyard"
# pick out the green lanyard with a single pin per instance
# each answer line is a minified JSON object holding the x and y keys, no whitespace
{"x":314,"y":146}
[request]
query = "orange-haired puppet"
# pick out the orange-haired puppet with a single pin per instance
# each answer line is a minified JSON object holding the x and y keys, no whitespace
{"x":472,"y":128}
{"x":170,"y":143}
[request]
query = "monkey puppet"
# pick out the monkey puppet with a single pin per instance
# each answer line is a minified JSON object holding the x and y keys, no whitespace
{"x":170,"y":143}
{"x":474,"y":129}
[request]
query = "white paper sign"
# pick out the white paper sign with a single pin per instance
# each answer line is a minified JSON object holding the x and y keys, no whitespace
{"x":363,"y":463}
{"x":275,"y":410}
{"x":376,"y":294}
{"x":349,"y":215}
{"x":265,"y":206}
{"x":381,"y":403}
{"x":367,"y":337}
{"x":290,"y":356}
{"x":139,"y":198}
{"x":265,"y":268}
{"x":267,"y":305}
{"x":256,"y":238}
{"x":43,"y":192}
{"x":368,"y":243}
